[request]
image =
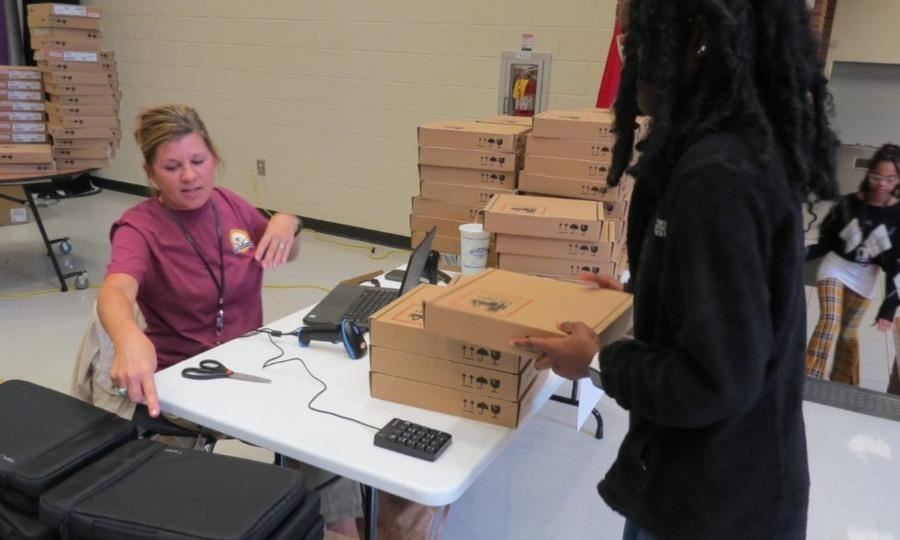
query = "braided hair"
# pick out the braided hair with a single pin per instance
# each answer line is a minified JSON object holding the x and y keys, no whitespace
{"x":759,"y":72}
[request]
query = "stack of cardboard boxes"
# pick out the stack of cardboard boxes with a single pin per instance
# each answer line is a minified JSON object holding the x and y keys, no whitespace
{"x":447,"y":349}
{"x":81,"y":81}
{"x":553,"y":237}
{"x":462,"y":165}
{"x":22,"y":109}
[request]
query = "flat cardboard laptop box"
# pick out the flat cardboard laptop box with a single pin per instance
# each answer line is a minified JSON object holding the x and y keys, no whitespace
{"x":76,"y":67}
{"x":21,"y":106}
{"x":462,"y":377}
{"x":64,"y":55}
{"x":497,"y":306}
{"x":557,"y":249}
{"x":468,"y":177}
{"x":470,"y":195}
{"x":445,"y":227}
{"x":9,"y":137}
{"x":73,"y":163}
{"x":469,"y":159}
{"x":60,"y":109}
{"x":585,"y":126}
{"x":28,"y":168}
{"x":574,"y":188}
{"x":83,"y":133}
{"x":545,"y":217}
{"x":566,"y":167}
{"x":545,"y":266}
{"x":102,"y":77}
{"x":23,"y":127}
{"x":67,"y":43}
{"x":82,"y":143}
{"x":84,"y":121}
{"x":67,"y":89}
{"x":21,"y":95}
{"x":93,"y":101}
{"x":25,"y":153}
{"x":19,"y":84}
{"x":467,"y":135}
{"x":570,"y":149}
{"x":400,"y":326}
{"x":504,"y":119}
{"x":65,"y":10}
{"x":472,"y":213}
{"x":17,"y":116}
{"x":63,"y":21}
{"x":20,"y":73}
{"x":65,"y":34}
{"x":93,"y":152}
{"x":454,"y":402}
{"x":441,"y":244}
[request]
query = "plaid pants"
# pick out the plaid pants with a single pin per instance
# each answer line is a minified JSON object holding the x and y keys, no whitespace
{"x":840,"y":312}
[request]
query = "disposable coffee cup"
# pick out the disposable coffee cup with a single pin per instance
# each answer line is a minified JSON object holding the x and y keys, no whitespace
{"x":474,"y":243}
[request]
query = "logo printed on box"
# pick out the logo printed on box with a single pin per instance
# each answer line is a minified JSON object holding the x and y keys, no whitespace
{"x":491,"y":302}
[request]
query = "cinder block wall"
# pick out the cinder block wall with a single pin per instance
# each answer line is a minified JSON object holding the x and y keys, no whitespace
{"x":329,"y":93}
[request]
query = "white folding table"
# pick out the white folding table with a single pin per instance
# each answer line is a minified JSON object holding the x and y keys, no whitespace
{"x":276,"y":416}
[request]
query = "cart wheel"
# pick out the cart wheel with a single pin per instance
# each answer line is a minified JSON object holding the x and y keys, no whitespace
{"x":81,"y":281}
{"x":65,"y":247}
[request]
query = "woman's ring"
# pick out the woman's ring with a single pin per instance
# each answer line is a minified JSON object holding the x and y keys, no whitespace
{"x":123,"y":392}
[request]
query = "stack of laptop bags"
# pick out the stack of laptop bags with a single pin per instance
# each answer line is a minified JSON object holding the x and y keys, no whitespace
{"x":146,"y":490}
{"x":92,"y":480}
{"x":45,"y":436}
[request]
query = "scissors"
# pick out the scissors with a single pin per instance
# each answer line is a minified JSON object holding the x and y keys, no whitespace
{"x":213,"y":369}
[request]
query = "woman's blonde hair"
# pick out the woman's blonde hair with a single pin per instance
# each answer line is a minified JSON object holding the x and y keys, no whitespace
{"x":159,"y":125}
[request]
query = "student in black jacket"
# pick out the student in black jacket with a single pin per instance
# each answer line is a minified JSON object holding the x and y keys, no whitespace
{"x":857,"y":237}
{"x":713,"y":378}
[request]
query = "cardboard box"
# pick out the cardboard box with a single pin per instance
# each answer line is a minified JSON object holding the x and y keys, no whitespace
{"x":84,"y":121}
{"x":12,"y":212}
{"x":442,"y":209}
{"x":441,"y":244}
{"x":21,"y":95}
{"x":586,"y":126}
{"x":469,"y":195}
{"x":25,"y":153}
{"x":568,"y":168}
{"x":19,"y":84}
{"x":101,"y":78}
{"x":80,"y":89}
{"x":23,"y":127}
{"x":59,"y":142}
{"x":28,"y":168}
{"x":93,"y":101}
{"x":445,"y":400}
{"x":15,"y":116}
{"x":65,"y":55}
{"x":497,"y":306}
{"x":469,"y":159}
{"x":76,"y":67}
{"x":600,"y":152}
{"x":9,"y":137}
{"x":69,"y":43}
{"x":65,"y":34}
{"x":59,"y":109}
{"x":557,"y":249}
{"x":93,"y":152}
{"x":545,"y":217}
{"x":525,"y":121}
{"x":544,"y":266}
{"x":83,"y":133}
{"x":468,"y":177}
{"x":468,"y":135}
{"x":63,"y":21}
{"x":21,"y":106}
{"x":400,"y":326}
{"x":445,"y":227}
{"x":462,"y":377}
{"x":74,"y":163}
{"x":19,"y":73}
{"x":65,"y":10}
{"x":575,"y":188}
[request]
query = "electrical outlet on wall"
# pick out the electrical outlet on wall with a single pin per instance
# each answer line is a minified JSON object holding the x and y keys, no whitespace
{"x":260,"y":167}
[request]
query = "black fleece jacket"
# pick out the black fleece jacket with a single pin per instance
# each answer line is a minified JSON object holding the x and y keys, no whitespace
{"x":713,"y":380}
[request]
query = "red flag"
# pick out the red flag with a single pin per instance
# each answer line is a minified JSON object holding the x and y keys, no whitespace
{"x":612,"y":74}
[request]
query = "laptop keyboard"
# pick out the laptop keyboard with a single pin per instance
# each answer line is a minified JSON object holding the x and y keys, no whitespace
{"x":368,"y":303}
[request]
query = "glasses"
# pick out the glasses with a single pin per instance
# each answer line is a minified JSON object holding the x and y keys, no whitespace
{"x":889,"y":179}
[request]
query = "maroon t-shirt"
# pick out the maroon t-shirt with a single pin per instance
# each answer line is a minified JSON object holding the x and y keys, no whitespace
{"x":176,"y":294}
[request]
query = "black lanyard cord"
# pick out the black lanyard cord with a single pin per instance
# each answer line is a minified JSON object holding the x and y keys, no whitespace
{"x":220,"y":283}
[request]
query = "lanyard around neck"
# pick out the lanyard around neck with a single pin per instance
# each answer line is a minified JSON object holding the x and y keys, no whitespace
{"x":220,"y":282}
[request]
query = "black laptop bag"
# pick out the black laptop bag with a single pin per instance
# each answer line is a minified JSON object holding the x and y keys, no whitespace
{"x":45,"y":436}
{"x":145,"y":490}
{"x":15,"y":525}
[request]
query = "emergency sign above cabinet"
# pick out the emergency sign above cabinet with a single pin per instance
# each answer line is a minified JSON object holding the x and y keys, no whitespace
{"x":524,"y":83}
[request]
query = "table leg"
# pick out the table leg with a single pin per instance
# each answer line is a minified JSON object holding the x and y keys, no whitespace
{"x":48,"y":244}
{"x":371,"y":496}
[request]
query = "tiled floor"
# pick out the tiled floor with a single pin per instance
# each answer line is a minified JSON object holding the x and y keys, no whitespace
{"x":542,"y":487}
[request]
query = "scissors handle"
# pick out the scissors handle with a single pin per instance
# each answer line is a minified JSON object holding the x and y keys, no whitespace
{"x":209,"y":369}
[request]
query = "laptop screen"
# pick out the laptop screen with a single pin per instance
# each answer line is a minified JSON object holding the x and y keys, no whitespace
{"x":418,"y":262}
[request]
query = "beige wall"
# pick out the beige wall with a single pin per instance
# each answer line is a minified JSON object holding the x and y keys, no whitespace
{"x":866,"y":31}
{"x":329,"y":92}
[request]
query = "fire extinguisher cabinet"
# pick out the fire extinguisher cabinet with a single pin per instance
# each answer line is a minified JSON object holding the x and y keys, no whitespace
{"x":524,"y":83}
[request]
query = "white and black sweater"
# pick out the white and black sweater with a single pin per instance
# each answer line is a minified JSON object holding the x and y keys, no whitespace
{"x":864,"y":234}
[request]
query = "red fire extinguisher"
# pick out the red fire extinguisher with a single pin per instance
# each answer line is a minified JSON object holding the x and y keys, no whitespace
{"x":524,"y":93}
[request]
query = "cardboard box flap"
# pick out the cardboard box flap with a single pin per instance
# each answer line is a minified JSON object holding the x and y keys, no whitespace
{"x":498,"y":306}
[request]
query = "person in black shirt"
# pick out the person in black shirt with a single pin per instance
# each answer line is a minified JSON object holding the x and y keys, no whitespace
{"x":857,"y":237}
{"x":713,"y":379}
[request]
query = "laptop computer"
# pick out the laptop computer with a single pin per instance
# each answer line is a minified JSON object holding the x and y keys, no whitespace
{"x":357,"y":303}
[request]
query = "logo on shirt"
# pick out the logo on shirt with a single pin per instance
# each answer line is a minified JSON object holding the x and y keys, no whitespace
{"x":866,"y":248}
{"x":660,"y":228}
{"x":240,"y":241}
